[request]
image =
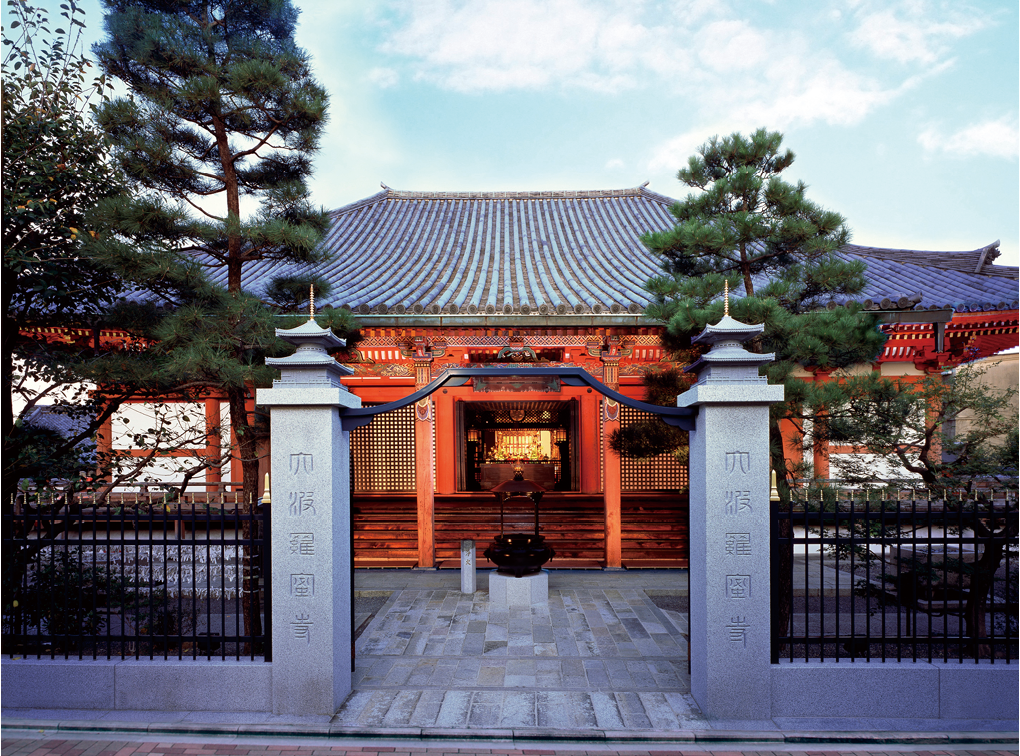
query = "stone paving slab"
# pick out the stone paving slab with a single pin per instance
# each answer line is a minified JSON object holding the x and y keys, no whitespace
{"x":594,"y":657}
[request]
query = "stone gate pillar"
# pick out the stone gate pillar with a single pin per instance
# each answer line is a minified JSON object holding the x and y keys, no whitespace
{"x":311,"y":525}
{"x":729,"y":526}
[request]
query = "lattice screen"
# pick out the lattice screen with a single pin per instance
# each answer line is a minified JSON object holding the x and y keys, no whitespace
{"x":382,"y":453}
{"x":664,"y":472}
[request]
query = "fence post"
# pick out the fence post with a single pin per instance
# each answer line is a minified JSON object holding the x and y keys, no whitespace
{"x":311,"y":525}
{"x":729,"y":526}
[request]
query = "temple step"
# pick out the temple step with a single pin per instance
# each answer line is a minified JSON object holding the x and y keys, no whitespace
{"x":654,"y":531}
{"x":573,"y":524}
{"x":385,"y":530}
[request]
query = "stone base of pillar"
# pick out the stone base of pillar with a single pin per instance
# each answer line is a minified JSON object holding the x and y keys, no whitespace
{"x":506,"y":590}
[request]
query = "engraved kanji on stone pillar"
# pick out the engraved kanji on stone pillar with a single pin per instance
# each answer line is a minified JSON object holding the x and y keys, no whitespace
{"x":310,"y":542}
{"x":729,"y":517}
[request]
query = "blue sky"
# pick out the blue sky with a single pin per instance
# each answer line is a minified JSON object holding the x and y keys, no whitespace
{"x":903,"y":114}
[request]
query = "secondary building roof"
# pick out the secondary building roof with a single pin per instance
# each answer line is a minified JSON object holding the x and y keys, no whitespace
{"x":560,"y":252}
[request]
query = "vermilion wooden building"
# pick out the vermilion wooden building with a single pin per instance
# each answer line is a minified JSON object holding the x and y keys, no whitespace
{"x":441,"y":279}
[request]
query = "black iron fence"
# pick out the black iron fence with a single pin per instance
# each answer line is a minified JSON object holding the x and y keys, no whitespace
{"x":136,"y":576}
{"x":894,"y":574}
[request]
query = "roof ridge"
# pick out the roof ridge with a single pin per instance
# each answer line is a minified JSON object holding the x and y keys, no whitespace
{"x":865,"y":248}
{"x":527,"y":194}
{"x":978,"y":261}
{"x":377,"y":197}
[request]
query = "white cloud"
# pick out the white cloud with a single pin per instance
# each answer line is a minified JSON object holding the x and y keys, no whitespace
{"x":383,"y":77}
{"x":701,"y":51}
{"x":999,"y":138}
{"x":673,"y":153}
{"x":493,"y":45}
{"x":914,"y":30}
{"x":614,"y":164}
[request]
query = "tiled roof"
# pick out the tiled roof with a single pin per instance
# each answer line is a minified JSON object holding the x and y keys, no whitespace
{"x":563,"y":252}
{"x":944,"y":279}
{"x":47,"y":416}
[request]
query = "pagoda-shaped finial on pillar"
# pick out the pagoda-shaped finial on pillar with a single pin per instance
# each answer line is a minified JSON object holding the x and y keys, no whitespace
{"x":311,"y":364}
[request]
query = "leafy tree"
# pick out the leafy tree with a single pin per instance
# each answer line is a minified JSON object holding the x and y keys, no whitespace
{"x":948,"y":432}
{"x":216,"y":139}
{"x":54,"y":170}
{"x":59,"y":287}
{"x":920,"y":430}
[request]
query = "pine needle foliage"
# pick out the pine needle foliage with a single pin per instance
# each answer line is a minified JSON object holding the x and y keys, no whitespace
{"x":216,"y":138}
{"x":746,"y":227}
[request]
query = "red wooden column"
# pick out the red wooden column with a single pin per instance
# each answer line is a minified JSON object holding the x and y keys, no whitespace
{"x":590,"y":448}
{"x":611,"y":487}
{"x":104,"y":442}
{"x":446,"y":443}
{"x":423,"y":433}
{"x":820,"y":447}
{"x":213,"y":448}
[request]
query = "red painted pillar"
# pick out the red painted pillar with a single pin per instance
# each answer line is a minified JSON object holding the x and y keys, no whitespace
{"x":821,"y":458}
{"x":423,"y":483}
{"x":589,"y":455}
{"x":213,"y":447}
{"x":820,"y":448}
{"x":446,"y":443}
{"x":611,"y":488}
{"x":104,"y":444}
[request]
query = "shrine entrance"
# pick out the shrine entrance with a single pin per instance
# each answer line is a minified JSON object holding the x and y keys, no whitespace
{"x":494,"y":437}
{"x":313,"y":415}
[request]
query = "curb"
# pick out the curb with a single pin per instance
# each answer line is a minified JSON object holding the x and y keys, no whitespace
{"x":523,"y":735}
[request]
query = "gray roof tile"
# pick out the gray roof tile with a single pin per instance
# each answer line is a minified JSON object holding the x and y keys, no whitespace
{"x":578,"y":249}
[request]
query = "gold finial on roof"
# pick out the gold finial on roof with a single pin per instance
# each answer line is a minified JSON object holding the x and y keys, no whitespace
{"x":726,"y":298}
{"x":311,"y":301}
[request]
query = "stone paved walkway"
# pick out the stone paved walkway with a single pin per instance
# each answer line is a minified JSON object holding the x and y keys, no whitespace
{"x":605,"y":658}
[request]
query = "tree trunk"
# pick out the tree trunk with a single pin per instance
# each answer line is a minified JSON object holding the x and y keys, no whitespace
{"x":981,"y":583}
{"x":782,"y":553}
{"x":251,"y":567}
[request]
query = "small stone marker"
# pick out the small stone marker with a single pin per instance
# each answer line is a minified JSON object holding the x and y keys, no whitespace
{"x":468,"y":577}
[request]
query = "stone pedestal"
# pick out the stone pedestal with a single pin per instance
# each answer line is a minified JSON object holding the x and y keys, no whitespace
{"x":507,"y":590}
{"x":311,"y":527}
{"x":730,"y":594}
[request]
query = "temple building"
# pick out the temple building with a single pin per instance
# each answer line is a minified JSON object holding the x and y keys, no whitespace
{"x":459,"y":279}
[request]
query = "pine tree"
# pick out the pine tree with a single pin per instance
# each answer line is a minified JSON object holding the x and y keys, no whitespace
{"x":748,"y":229}
{"x":216,"y":139}
{"x":223,"y":113}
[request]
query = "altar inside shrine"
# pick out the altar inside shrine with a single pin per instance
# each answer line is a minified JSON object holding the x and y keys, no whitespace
{"x":491,"y":474}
